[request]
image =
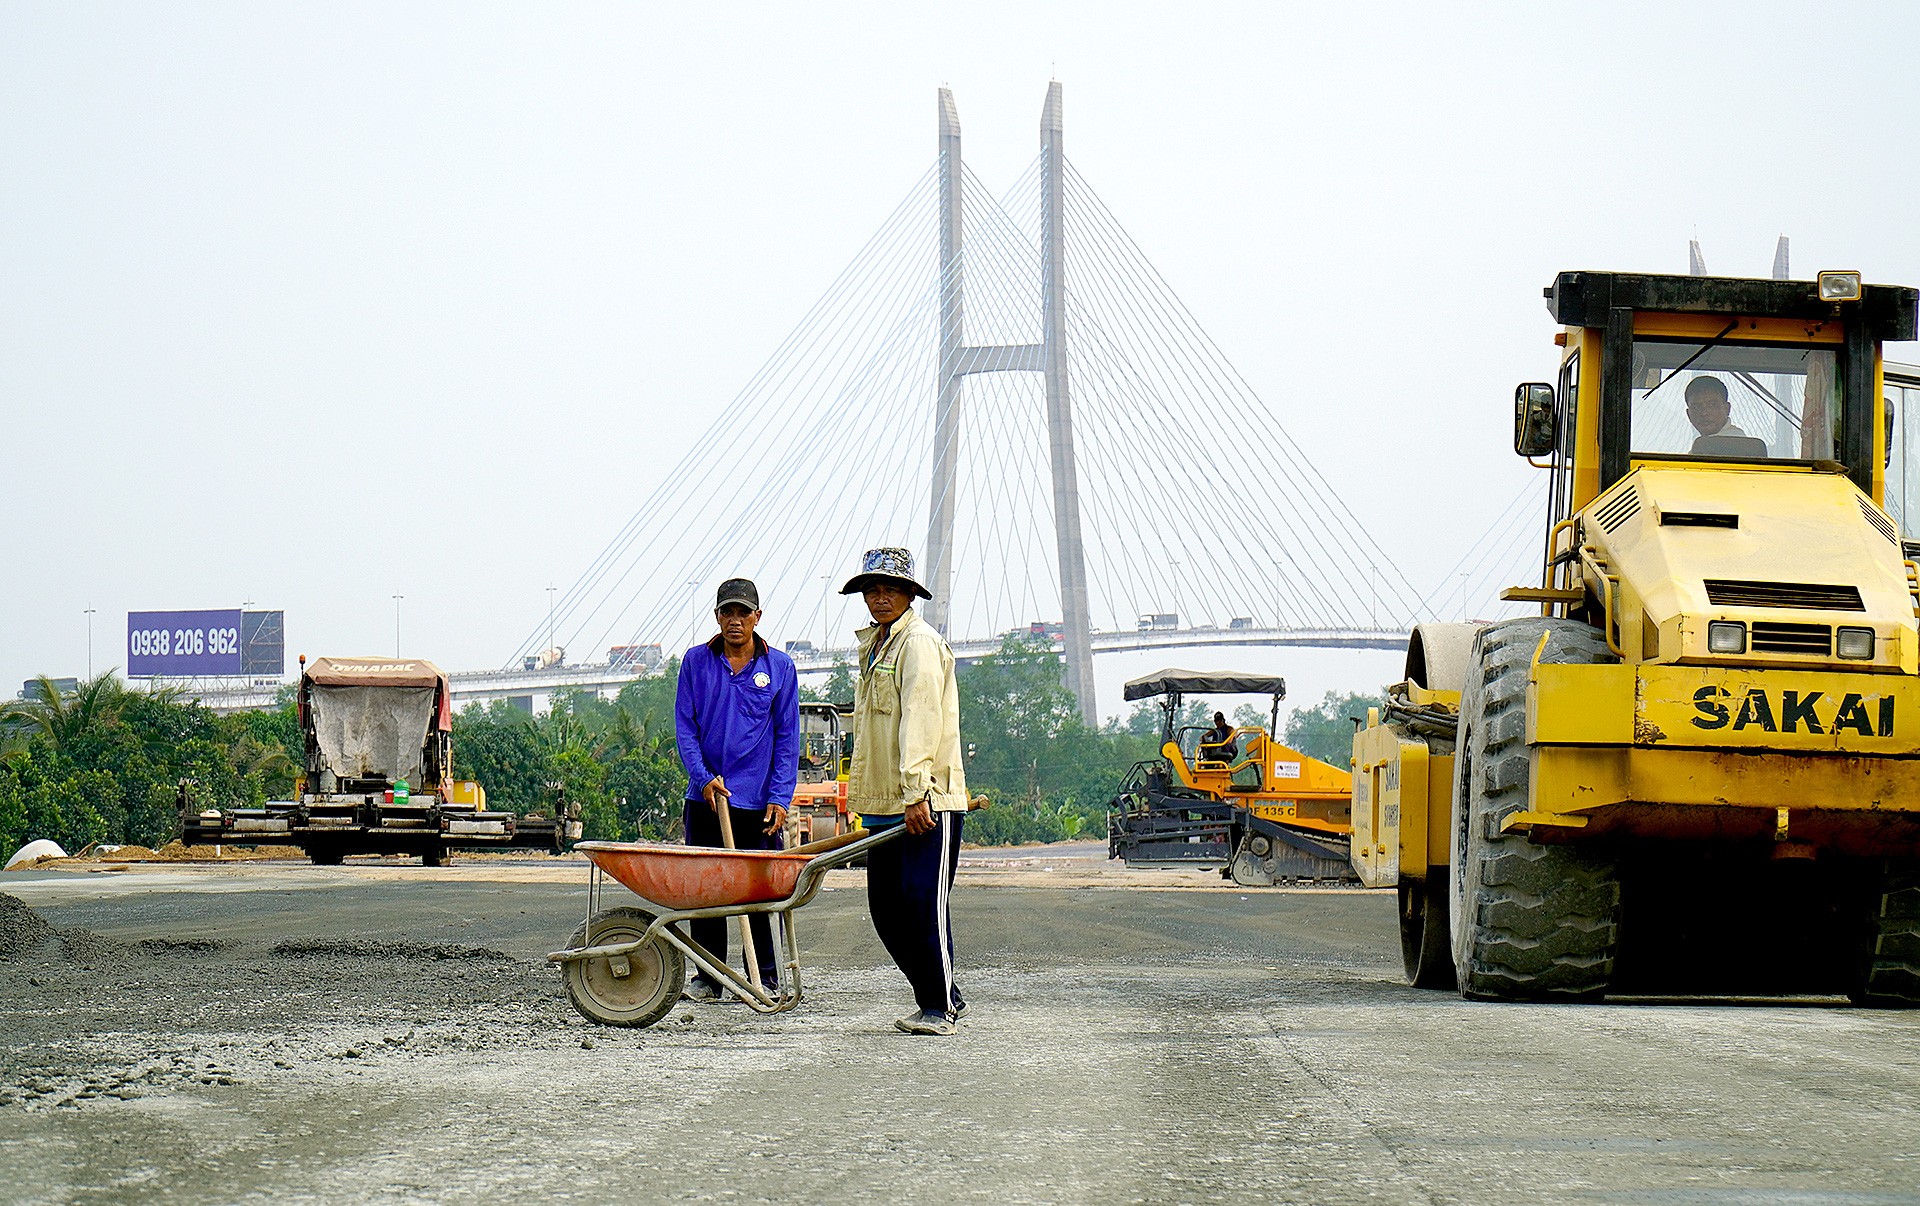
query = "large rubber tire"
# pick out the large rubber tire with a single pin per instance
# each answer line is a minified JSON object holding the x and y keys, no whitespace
{"x":1891,"y":977}
{"x":1426,"y":947}
{"x":656,"y":973}
{"x":326,"y":857}
{"x":1530,"y":922}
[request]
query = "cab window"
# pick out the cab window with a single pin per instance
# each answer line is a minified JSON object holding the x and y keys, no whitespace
{"x":1750,"y":401}
{"x":1903,"y":450}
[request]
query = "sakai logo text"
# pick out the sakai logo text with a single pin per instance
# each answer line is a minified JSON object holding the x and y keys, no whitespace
{"x":1797,"y":712}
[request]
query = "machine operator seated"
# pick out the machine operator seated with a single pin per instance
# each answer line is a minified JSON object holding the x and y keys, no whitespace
{"x":1711,"y":414}
{"x":1216,"y":745}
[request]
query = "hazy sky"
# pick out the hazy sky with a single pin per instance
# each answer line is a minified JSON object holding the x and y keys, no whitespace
{"x":312,"y":305}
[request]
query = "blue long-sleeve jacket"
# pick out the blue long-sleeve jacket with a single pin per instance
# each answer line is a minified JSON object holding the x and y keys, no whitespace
{"x":743,"y":727}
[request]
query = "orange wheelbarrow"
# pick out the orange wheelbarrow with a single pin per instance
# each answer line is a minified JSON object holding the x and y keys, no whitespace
{"x":626,"y":966}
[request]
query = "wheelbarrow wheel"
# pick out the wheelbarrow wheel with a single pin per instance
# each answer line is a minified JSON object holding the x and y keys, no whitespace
{"x":636,"y":989}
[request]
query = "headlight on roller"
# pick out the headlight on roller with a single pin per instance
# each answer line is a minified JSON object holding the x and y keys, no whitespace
{"x":1839,"y":286}
{"x":1854,"y":643}
{"x":1726,"y":636}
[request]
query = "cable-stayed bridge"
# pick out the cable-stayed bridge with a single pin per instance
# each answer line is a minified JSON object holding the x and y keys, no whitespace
{"x":1006,"y":386}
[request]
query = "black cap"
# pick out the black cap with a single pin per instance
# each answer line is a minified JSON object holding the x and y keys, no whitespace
{"x":737,"y":590}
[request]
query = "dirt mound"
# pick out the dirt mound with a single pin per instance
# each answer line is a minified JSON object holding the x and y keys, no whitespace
{"x":163,"y":946}
{"x":178,"y":851}
{"x":311,"y":949}
{"x":122,"y":854}
{"x":23,"y":932}
{"x":84,"y":946}
{"x":21,"y":929}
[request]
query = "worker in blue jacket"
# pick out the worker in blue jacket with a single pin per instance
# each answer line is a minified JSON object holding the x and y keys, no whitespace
{"x":737,"y":718}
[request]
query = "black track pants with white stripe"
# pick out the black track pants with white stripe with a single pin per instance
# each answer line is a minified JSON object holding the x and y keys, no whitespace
{"x":907,"y":884}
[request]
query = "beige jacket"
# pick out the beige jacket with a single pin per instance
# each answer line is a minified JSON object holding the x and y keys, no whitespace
{"x":906,"y":723}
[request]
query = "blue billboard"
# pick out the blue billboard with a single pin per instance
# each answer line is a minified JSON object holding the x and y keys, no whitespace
{"x":183,"y":644}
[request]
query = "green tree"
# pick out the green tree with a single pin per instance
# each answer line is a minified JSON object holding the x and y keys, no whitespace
{"x":583,"y":781}
{"x":13,"y":809}
{"x":64,"y":718}
{"x":838,"y":688}
{"x":652,"y":695}
{"x":498,"y":748}
{"x":1028,"y":749}
{"x":105,"y":763}
{"x":1251,"y":716}
{"x":1325,"y":730}
{"x":647,"y":794}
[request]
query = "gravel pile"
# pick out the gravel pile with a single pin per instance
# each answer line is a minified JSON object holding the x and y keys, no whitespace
{"x":353,"y":949}
{"x":22,"y":930}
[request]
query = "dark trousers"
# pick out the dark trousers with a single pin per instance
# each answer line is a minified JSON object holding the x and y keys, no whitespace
{"x":908,"y":882}
{"x":703,"y":829}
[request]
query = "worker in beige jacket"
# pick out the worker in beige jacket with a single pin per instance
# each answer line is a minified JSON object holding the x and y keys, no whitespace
{"x":906,"y":771}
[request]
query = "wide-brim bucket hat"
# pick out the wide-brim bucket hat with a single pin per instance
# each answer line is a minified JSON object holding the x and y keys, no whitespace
{"x":895,"y":565}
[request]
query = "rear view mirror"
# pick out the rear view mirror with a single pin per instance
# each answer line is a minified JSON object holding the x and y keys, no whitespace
{"x":1533,"y":419}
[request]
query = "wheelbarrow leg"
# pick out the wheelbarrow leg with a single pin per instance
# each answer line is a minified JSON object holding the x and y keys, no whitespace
{"x":718,"y":971}
{"x":790,"y":974}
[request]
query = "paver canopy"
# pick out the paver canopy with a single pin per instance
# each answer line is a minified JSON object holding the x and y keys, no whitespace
{"x":1192,"y":682}
{"x":374,"y":672}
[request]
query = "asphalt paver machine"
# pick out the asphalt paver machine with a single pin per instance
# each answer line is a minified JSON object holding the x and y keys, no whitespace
{"x":1261,"y":811}
{"x":378,"y":775}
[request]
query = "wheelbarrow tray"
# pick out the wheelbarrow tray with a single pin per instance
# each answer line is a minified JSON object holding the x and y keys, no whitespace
{"x":698,"y":877}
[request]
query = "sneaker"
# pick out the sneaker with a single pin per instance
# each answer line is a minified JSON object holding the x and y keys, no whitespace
{"x":959,"y":1009}
{"x":926,"y":1021}
{"x":699,"y":989}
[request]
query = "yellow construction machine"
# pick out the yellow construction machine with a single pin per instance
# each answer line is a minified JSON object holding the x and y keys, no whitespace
{"x":1261,"y":811}
{"x":820,"y":795}
{"x":1698,"y":769}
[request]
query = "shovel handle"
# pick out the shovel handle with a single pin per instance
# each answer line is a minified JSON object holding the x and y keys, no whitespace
{"x":746,"y":931}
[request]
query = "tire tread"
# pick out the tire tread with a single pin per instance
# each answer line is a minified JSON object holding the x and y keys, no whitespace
{"x":1540,"y":922}
{"x":1892,"y":979}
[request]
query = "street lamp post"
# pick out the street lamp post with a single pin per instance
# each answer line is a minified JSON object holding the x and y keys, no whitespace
{"x":396,"y":624}
{"x":550,"y":636}
{"x":90,"y":644}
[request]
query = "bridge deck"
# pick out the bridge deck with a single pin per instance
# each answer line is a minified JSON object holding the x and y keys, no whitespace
{"x":487,"y":685}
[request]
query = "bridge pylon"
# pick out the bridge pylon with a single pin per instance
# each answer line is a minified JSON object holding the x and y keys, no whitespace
{"x":1049,"y":357}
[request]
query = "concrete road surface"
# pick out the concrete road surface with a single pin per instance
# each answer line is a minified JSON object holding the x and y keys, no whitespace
{"x":387,"y":1034}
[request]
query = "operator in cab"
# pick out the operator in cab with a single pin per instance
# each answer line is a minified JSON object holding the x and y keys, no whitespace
{"x":1711,"y":414}
{"x":1216,"y":744}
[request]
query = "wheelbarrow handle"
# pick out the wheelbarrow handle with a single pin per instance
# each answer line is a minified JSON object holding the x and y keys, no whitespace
{"x":816,"y":867}
{"x":833,"y":843}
